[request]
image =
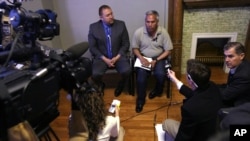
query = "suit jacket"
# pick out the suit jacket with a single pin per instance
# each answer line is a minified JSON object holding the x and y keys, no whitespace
{"x":199,"y":113}
{"x":98,"y":41}
{"x":237,"y":89}
{"x":238,"y":115}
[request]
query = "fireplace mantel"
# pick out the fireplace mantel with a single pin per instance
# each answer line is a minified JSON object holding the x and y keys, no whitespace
{"x":175,"y":23}
{"x":194,"y":4}
{"x":231,"y":35}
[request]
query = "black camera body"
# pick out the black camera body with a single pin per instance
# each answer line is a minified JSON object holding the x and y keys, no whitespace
{"x":35,"y":99}
{"x":32,"y":94}
{"x":40,"y":24}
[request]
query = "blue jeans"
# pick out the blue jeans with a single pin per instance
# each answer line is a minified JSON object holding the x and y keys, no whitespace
{"x":142,"y":77}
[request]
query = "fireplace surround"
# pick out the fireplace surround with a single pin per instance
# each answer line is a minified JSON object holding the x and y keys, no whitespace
{"x":231,"y":36}
{"x":181,"y":18}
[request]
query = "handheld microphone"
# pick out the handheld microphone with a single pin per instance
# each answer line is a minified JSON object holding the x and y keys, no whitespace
{"x":167,"y":67}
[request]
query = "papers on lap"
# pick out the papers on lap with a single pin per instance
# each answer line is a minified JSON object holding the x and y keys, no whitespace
{"x":160,"y":132}
{"x":138,"y":63}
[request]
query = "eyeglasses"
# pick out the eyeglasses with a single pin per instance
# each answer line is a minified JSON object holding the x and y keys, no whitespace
{"x":190,"y":78}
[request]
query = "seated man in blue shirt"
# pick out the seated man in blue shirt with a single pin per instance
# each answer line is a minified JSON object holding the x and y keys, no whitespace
{"x":109,"y":44}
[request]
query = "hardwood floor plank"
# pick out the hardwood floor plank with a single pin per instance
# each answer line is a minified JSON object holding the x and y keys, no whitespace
{"x":138,"y":127}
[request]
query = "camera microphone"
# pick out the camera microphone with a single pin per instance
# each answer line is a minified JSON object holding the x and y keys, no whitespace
{"x":71,"y":53}
{"x":76,"y":52}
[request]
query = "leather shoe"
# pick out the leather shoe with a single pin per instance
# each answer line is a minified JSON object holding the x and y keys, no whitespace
{"x":139,"y":108}
{"x":119,"y":89}
{"x":154,"y":93}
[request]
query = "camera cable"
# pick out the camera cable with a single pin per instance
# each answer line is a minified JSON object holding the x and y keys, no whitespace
{"x":12,"y":49}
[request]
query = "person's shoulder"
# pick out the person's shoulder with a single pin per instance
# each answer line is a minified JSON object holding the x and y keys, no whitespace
{"x":247,"y":62}
{"x":95,"y":23}
{"x":119,"y":21}
{"x":161,"y":27}
{"x":244,"y":66}
{"x":140,"y":29}
{"x":162,"y":30}
{"x":139,"y":32}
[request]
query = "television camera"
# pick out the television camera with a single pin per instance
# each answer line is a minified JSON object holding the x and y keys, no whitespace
{"x":31,"y":74}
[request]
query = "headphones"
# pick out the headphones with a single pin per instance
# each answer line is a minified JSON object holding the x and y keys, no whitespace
{"x":190,"y":78}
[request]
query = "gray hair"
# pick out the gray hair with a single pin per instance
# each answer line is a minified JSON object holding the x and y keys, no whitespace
{"x":152,"y":12}
{"x":239,"y":48}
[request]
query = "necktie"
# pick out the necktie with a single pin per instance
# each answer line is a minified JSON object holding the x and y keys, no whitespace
{"x":109,"y":46}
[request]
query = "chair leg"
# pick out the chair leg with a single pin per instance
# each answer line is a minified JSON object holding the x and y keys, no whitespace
{"x":132,"y":78}
{"x":131,"y":89}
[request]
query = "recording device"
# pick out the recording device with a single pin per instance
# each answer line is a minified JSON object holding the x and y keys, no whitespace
{"x":155,"y":39}
{"x":168,"y":64}
{"x":115,"y":103}
{"x":32,"y":94}
{"x":167,"y":67}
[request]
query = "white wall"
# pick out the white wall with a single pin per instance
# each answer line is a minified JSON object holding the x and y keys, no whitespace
{"x":75,"y":16}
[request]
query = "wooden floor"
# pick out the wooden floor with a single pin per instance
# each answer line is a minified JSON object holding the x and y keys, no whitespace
{"x":138,"y":126}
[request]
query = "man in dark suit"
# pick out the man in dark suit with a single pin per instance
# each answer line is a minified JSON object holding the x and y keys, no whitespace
{"x":199,"y":110}
{"x":237,"y":89}
{"x":236,"y":92}
{"x":109,"y":44}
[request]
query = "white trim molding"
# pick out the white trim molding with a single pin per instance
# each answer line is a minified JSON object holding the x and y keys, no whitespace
{"x":231,"y":35}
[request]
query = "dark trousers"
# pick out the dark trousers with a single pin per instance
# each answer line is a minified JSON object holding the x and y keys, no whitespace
{"x":99,"y":67}
{"x":142,"y":80}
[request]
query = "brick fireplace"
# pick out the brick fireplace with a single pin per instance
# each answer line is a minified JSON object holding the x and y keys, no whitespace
{"x":208,"y":47}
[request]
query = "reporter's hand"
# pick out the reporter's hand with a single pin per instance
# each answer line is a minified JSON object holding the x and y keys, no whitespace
{"x":171,"y":75}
